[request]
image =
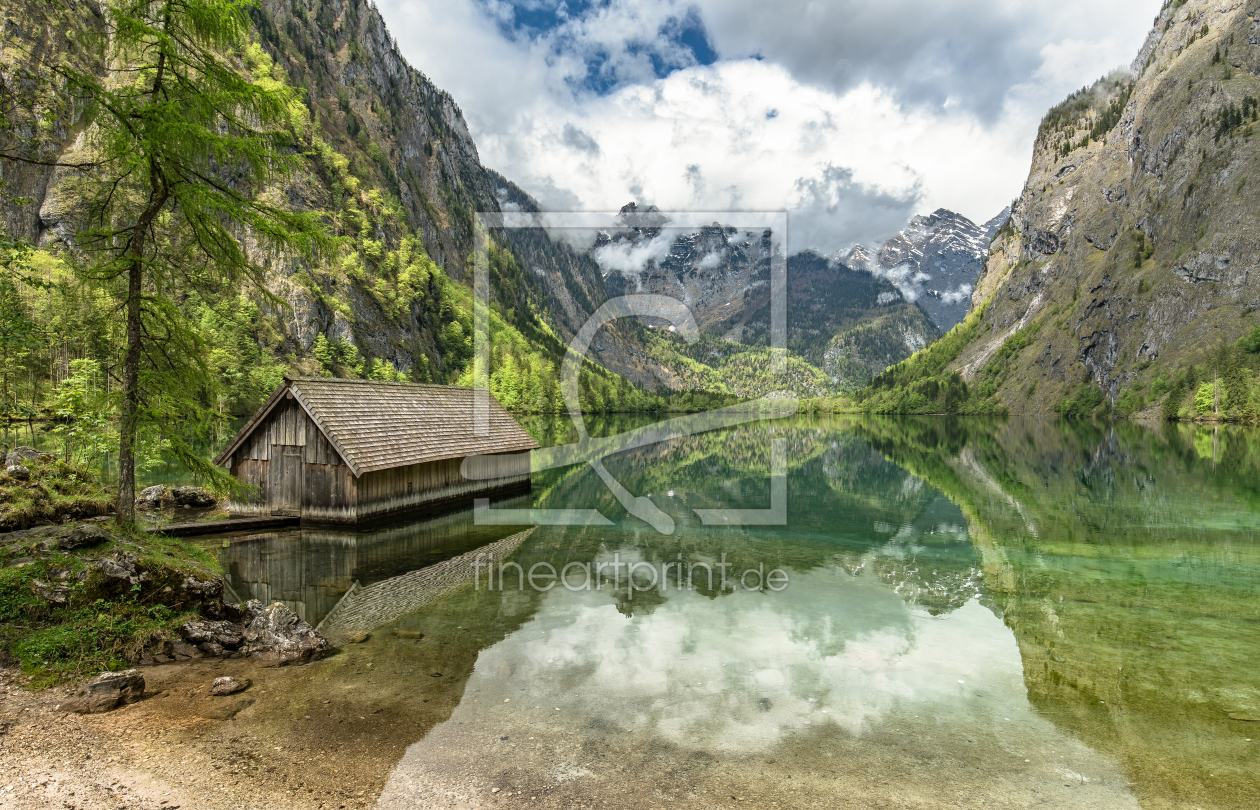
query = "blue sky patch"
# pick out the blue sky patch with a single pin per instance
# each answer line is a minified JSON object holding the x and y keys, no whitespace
{"x":690,"y":32}
{"x":534,"y":18}
{"x":680,"y":42}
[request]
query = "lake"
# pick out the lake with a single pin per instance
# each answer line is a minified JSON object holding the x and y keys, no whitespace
{"x":915,"y":613}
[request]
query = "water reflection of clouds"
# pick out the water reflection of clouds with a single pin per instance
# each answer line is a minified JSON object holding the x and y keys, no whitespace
{"x":740,"y":672}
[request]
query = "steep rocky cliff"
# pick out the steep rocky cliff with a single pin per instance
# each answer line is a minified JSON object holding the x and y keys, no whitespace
{"x":1131,"y":254}
{"x":391,"y":163}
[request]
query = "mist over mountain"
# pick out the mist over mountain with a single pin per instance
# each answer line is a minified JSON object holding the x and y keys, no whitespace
{"x":399,"y":176}
{"x":393,"y":168}
{"x":843,"y":325}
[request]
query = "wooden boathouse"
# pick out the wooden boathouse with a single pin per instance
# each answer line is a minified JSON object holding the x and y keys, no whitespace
{"x":345,"y":451}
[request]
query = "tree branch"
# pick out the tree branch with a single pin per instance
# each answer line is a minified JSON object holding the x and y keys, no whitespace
{"x":57,"y":163}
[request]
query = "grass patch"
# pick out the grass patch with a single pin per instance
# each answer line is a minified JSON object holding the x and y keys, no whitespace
{"x":90,"y":640}
{"x":67,"y":612}
{"x":1085,"y":401}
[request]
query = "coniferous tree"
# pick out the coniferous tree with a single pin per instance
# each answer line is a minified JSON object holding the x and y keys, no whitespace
{"x":187,"y":149}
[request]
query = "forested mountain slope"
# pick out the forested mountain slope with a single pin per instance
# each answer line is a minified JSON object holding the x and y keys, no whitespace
{"x":391,"y":167}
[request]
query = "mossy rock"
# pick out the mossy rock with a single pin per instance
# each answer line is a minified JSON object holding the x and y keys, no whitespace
{"x":55,"y":491}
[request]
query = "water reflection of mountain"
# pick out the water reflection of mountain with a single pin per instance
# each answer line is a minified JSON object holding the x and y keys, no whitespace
{"x":848,"y":506}
{"x":1127,"y":562}
{"x":835,"y":690}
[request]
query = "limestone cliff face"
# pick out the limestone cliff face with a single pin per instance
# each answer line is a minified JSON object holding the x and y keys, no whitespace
{"x":399,"y":137}
{"x":1134,"y":248}
{"x":359,"y":87}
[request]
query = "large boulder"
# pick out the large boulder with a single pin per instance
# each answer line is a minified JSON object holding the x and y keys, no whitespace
{"x":122,"y":567}
{"x":106,"y":691}
{"x":83,"y":536}
{"x":228,"y":635}
{"x":153,"y":497}
{"x":20,"y":455}
{"x":243,"y":614}
{"x":203,"y":590}
{"x":196,"y":497}
{"x":278,"y":635}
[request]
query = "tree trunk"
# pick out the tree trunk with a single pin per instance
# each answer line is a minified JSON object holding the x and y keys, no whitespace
{"x":159,"y":191}
{"x":131,"y":399}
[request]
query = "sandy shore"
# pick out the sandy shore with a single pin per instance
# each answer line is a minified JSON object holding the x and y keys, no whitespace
{"x":322,"y":735}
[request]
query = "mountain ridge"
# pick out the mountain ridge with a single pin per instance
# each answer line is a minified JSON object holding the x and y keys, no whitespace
{"x":934,"y":261}
{"x":1128,"y":275}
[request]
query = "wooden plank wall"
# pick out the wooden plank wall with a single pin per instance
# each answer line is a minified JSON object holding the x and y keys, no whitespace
{"x":330,"y":493}
{"x":328,"y":484}
{"x":253,"y":472}
{"x":318,"y":449}
{"x":287,"y":424}
{"x":416,"y":485}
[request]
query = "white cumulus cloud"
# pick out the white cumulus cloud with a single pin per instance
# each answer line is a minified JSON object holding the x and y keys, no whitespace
{"x":851,"y":116}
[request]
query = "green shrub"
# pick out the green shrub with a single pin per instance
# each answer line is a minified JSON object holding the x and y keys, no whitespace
{"x":1251,"y":343}
{"x":1130,"y":402}
{"x":1205,"y":398}
{"x":103,"y":623}
{"x":1086,"y":401}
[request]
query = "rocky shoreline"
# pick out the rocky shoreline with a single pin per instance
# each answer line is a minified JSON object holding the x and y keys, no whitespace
{"x":244,"y":707}
{"x":126,"y":681}
{"x":323,"y":734}
{"x":271,"y":635}
{"x":56,"y":577}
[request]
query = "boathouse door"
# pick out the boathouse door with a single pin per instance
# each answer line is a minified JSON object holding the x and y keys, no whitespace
{"x":284,"y":485}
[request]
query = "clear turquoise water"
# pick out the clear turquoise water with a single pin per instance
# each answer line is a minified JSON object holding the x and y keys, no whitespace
{"x":976,"y":613}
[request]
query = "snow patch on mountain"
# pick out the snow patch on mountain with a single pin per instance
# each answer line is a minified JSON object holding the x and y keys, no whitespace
{"x":934,"y":262}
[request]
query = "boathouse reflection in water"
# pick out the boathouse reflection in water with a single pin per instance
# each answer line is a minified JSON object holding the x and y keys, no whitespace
{"x":309,"y":570}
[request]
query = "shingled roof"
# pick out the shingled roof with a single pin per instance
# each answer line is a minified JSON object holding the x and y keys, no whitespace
{"x":380,"y":425}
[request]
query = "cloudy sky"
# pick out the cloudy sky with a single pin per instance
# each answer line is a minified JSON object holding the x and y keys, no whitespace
{"x":852,"y":116}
